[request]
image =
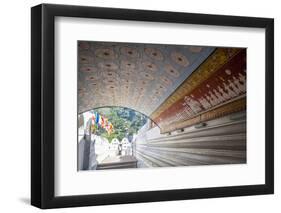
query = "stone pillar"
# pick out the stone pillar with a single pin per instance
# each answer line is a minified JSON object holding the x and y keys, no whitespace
{"x":86,"y":151}
{"x":92,"y":156}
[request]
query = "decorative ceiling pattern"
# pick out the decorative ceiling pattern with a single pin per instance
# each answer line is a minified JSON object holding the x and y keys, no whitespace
{"x":137,"y":76}
{"x":217,"y":89}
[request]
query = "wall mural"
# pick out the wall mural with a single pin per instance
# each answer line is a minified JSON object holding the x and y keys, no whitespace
{"x":225,"y":85}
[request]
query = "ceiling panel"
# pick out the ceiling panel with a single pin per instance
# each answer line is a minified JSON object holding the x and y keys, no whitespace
{"x":137,"y":76}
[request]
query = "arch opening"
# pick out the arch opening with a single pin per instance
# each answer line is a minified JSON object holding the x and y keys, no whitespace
{"x":123,"y":121}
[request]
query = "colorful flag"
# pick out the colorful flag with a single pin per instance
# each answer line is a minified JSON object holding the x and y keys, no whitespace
{"x":97,"y":117}
{"x":93,"y":119}
{"x":99,"y":120}
{"x":110,"y":128}
{"x":103,"y":122}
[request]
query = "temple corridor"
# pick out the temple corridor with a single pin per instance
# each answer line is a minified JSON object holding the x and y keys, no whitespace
{"x":179,"y":105}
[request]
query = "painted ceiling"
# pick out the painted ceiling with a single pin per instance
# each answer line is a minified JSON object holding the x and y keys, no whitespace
{"x":137,"y":76}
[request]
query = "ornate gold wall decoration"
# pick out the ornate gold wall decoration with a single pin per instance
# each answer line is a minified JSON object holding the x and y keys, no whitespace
{"x":232,"y":107}
{"x":220,"y":57}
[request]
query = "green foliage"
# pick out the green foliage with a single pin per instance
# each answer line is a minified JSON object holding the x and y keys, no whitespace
{"x":126,"y":122}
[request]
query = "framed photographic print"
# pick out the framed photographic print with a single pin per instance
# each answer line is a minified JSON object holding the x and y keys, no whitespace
{"x":140,"y":106}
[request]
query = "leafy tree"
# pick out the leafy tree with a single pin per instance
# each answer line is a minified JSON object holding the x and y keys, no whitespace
{"x":126,"y":122}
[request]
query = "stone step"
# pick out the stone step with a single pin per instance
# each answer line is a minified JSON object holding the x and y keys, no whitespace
{"x":117,"y":162}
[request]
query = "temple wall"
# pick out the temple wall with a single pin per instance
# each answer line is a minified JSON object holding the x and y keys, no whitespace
{"x":218,"y":141}
{"x":209,"y":93}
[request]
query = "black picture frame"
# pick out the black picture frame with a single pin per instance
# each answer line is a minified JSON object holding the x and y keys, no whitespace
{"x":43,"y":102}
